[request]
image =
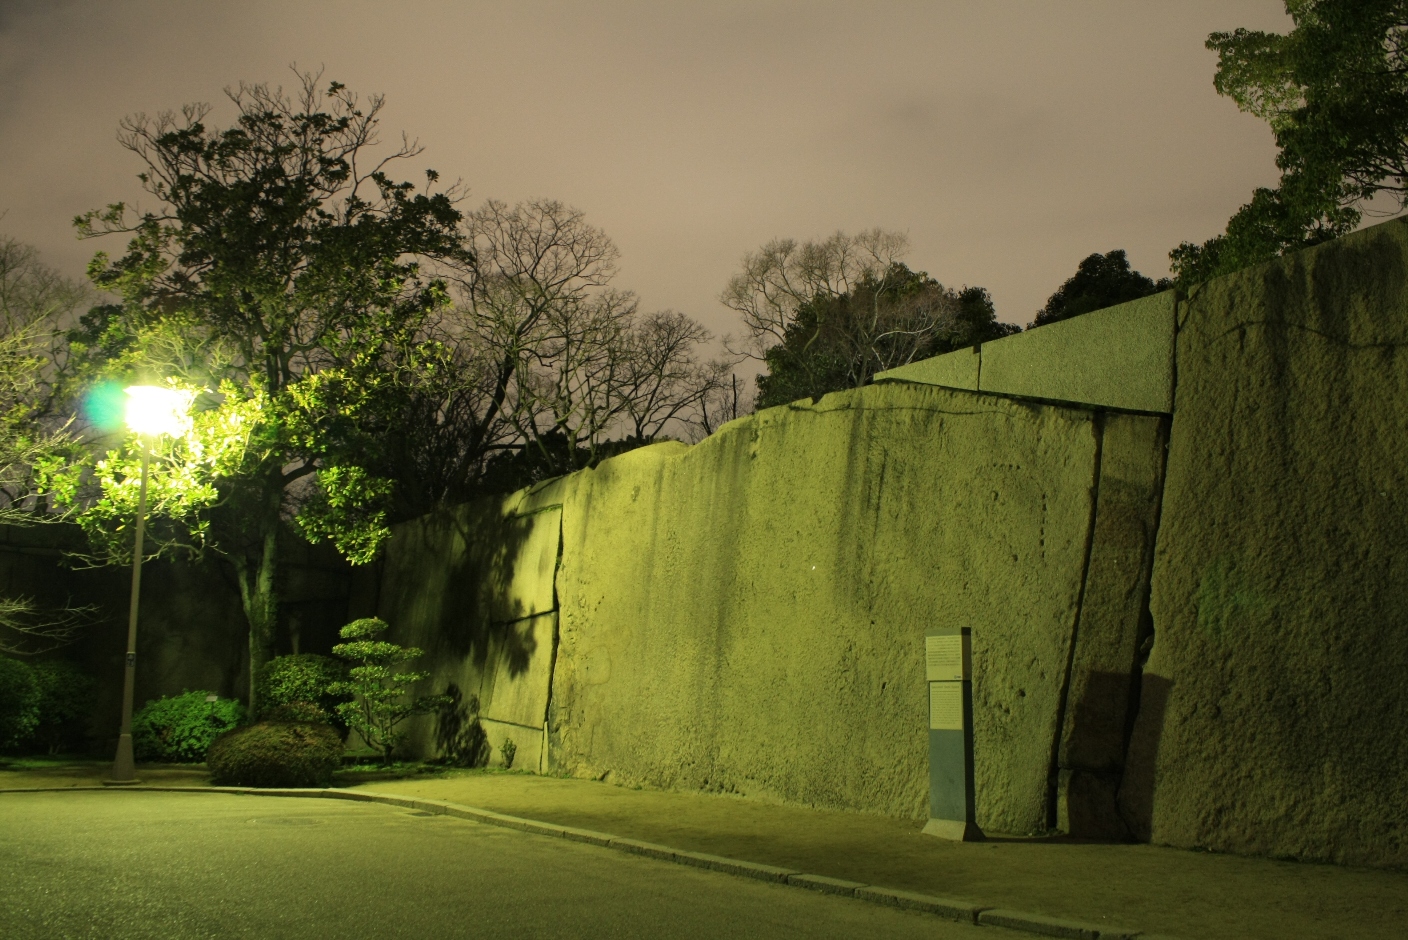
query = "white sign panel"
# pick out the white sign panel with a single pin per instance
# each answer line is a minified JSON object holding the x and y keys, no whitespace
{"x":946,"y":706}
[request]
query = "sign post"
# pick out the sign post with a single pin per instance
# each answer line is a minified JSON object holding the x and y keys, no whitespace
{"x":948,"y":666}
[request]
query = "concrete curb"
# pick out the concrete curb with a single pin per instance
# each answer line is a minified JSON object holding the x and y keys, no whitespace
{"x":962,"y":911}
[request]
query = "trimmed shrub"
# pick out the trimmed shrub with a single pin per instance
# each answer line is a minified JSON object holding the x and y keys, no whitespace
{"x":382,"y":689}
{"x":276,"y":754}
{"x":181,"y":729}
{"x":19,"y":702}
{"x":65,"y":705}
{"x":296,"y":688}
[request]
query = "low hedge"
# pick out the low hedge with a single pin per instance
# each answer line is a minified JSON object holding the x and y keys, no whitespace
{"x":275,"y":754}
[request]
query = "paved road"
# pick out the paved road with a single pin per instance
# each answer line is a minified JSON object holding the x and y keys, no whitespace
{"x":118,"y":865}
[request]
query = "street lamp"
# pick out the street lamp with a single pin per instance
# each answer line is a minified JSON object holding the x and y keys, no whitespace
{"x":151,"y":411}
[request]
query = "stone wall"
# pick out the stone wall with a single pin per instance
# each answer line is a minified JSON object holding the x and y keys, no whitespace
{"x":747,"y":615}
{"x":1276,"y":696}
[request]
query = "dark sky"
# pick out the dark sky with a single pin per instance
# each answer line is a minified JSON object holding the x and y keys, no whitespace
{"x":1008,"y":139}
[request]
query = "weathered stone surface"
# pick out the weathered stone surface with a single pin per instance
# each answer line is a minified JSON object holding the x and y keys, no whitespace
{"x":523,"y":575}
{"x":1120,"y":357}
{"x":1104,"y":662}
{"x":1276,"y":694}
{"x":748,"y":615}
{"x":952,"y":370}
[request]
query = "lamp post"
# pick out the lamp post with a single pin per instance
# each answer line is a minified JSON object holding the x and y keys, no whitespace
{"x":151,"y":410}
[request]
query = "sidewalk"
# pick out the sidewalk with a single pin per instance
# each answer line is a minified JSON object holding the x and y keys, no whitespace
{"x":1155,"y":890}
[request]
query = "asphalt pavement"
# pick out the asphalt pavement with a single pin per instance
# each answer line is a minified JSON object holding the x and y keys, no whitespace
{"x":54,"y":846}
{"x":120,"y":865}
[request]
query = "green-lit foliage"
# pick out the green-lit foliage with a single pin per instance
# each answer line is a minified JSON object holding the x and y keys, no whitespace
{"x":297,"y":688}
{"x":381,"y":690}
{"x":19,"y":703}
{"x":179,"y":729}
{"x":34,"y":300}
{"x":282,"y":276}
{"x":275,"y":754}
{"x":44,"y":706}
{"x":35,"y":428}
{"x":1335,"y":93}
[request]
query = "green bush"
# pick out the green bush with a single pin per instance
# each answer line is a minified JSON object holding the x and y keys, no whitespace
{"x":276,"y":754}
{"x":295,"y":711}
{"x":288,"y":685}
{"x":180,"y":729}
{"x":65,"y":705}
{"x":19,"y":703}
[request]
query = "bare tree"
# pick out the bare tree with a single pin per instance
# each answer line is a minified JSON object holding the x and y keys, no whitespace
{"x":567,"y":366}
{"x":567,"y":392}
{"x":665,"y":383}
{"x":532,"y":262}
{"x":782,"y":275}
{"x":886,"y":322}
{"x":720,"y":405}
{"x":829,"y":315}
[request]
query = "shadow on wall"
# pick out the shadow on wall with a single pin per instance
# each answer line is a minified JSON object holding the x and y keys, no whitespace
{"x":461,"y":564}
{"x":460,"y":740}
{"x":472,"y":586}
{"x":1136,"y":794}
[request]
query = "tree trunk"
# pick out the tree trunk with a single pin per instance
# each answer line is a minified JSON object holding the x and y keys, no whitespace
{"x":255,"y":572}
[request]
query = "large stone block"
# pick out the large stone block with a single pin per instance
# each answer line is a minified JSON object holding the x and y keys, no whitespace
{"x":1276,"y":695}
{"x":1120,"y":357}
{"x":748,"y":615}
{"x":1105,"y":659}
{"x":951,"y":370}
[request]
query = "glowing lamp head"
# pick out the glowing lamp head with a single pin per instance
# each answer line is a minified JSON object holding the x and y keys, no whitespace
{"x":154,"y":410}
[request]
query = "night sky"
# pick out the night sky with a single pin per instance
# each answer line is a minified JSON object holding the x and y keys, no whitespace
{"x":1008,"y":139}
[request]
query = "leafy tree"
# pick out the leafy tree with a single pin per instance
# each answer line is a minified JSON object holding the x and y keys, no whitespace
{"x":829,"y":316}
{"x":296,"y":688}
{"x":975,"y":321}
{"x":778,"y":278}
{"x":281,"y":276}
{"x":1335,"y":92}
{"x":382,"y":701}
{"x":1100,"y":281}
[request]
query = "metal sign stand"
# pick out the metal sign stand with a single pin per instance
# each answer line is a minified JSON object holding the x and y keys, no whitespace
{"x":948,"y":665}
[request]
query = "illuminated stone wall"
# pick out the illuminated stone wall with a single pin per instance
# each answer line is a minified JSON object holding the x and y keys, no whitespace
{"x":1276,"y":696}
{"x":747,"y":615}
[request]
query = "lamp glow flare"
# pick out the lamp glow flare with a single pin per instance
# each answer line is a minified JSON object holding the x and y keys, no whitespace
{"x":153,"y":410}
